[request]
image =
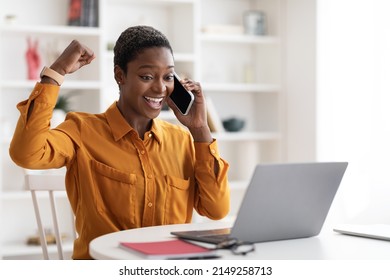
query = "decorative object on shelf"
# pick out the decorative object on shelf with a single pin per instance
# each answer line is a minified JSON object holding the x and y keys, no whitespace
{"x":233,"y":124}
{"x":63,"y":103}
{"x":83,"y":13}
{"x":90,"y":13}
{"x":249,"y":73}
{"x":49,"y":235}
{"x":33,"y":60}
{"x":74,"y":12}
{"x":10,"y":19}
{"x":110,"y":46}
{"x":254,"y":23}
{"x":34,"y":240}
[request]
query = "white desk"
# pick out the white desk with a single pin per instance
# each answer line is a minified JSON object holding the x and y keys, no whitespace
{"x":328,"y":245}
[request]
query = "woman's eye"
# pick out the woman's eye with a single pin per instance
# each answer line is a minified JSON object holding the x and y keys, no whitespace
{"x":169,"y":78}
{"x":146,"y":78}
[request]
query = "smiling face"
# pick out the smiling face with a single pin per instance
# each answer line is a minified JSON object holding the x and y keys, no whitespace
{"x":146,"y":84}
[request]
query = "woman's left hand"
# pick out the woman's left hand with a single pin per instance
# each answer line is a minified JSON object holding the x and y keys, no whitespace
{"x":196,"y":119}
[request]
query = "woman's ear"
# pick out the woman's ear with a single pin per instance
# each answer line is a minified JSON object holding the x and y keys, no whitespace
{"x":119,"y":75}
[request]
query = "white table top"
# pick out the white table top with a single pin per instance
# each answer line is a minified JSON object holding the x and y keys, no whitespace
{"x":328,"y":245}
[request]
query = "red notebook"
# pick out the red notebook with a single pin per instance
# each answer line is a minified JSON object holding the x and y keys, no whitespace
{"x":172,"y":249}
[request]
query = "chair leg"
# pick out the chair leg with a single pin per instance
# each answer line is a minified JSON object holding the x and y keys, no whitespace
{"x":56,"y":226}
{"x":42,"y":236}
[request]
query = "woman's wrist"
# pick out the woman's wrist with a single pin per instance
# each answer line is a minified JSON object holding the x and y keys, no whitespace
{"x":48,"y":80}
{"x":201,"y":134}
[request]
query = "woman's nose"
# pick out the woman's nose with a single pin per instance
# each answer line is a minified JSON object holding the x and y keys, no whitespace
{"x":159,"y":86}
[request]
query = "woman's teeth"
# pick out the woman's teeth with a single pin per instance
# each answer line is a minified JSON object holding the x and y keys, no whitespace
{"x":155,"y":100}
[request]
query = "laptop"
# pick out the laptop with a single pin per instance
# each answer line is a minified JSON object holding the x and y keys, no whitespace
{"x":282,"y":201}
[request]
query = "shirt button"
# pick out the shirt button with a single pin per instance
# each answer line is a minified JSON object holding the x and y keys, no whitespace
{"x":150,"y":176}
{"x":150,"y":135}
{"x":142,"y":152}
{"x":150,"y":204}
{"x":212,"y":151}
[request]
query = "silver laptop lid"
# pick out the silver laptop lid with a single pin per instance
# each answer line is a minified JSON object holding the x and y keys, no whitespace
{"x":286,"y":201}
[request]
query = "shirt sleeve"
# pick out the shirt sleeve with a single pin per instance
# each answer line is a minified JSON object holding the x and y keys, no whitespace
{"x":34,"y":145}
{"x":213,"y":198}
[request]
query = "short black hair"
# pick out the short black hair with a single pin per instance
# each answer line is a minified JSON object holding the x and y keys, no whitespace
{"x":134,"y":40}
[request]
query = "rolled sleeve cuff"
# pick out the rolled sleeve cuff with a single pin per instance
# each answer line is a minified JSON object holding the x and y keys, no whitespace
{"x":50,"y":93}
{"x":204,"y":151}
{"x":43,"y":94}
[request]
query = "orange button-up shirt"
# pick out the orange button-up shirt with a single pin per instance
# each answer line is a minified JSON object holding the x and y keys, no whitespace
{"x":114,"y":179}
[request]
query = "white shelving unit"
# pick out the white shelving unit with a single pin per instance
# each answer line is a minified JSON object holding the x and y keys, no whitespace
{"x":218,"y":61}
{"x":49,"y":28}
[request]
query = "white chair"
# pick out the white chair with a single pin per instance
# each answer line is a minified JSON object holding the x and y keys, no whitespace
{"x":50,"y":183}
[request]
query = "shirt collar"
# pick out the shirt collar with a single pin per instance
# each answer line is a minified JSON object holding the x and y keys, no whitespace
{"x":120,"y":127}
{"x":156,"y":130}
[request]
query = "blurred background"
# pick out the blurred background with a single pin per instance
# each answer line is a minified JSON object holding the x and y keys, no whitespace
{"x":285,"y":80}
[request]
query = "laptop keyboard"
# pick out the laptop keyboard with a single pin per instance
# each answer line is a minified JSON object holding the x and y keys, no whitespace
{"x":217,"y":238}
{"x":213,"y":232}
{"x":214,"y":236}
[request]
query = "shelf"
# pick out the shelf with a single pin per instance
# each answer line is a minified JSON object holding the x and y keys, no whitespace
{"x":179,"y":57}
{"x":52,"y":30}
{"x":247,"y":136}
{"x":24,"y":84}
{"x":18,"y":249}
{"x":238,"y":38}
{"x":160,"y":2}
{"x":237,"y":87}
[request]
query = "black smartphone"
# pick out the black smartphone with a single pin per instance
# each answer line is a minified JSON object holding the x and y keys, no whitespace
{"x":182,"y":98}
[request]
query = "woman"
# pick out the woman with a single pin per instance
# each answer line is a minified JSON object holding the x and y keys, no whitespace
{"x":125,"y":168}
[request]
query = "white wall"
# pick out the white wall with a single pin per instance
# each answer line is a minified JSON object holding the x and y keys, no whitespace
{"x":338,"y":98}
{"x":300,"y":57}
{"x":353,"y":104}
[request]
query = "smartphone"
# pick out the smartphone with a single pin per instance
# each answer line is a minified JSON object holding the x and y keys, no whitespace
{"x":181,"y":97}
